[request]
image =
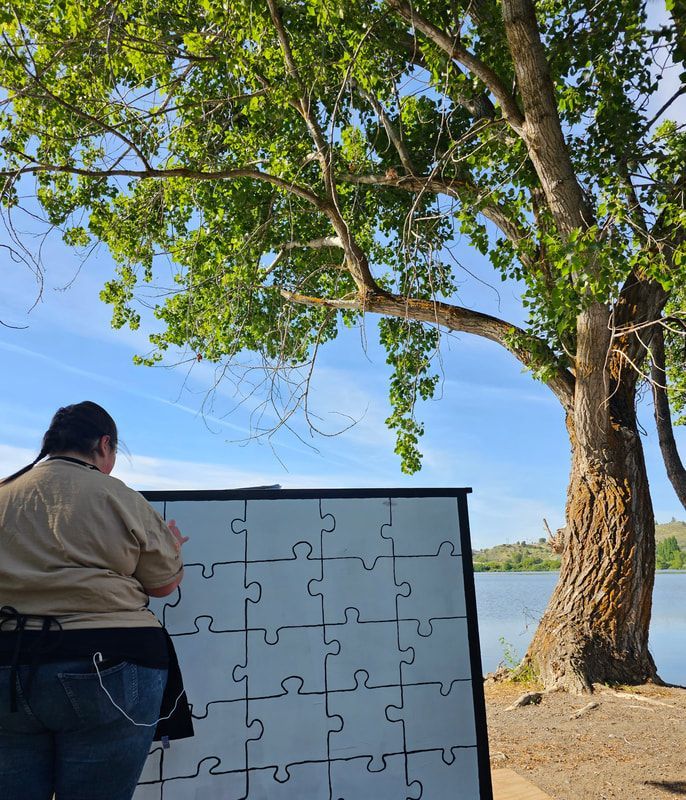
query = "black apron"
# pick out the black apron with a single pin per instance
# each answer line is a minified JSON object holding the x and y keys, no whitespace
{"x":151,"y":647}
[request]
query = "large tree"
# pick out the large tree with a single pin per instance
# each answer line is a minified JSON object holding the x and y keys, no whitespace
{"x":306,"y":162}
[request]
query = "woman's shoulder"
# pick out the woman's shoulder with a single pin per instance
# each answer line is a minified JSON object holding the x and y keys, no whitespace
{"x":127,"y":496}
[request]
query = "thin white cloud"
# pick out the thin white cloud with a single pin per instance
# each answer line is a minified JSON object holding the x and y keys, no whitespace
{"x":115,"y":384}
{"x":511,"y":518}
{"x":21,"y":424}
{"x":475,"y":391}
{"x":370,"y":431}
{"x":59,"y":364}
{"x":67,"y":302}
{"x":147,"y":472}
{"x":240,"y":433}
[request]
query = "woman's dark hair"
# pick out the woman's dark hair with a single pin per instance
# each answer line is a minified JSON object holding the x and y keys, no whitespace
{"x":77,"y":429}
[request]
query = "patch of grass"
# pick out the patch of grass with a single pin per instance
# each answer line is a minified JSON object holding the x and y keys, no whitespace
{"x":518,"y":671}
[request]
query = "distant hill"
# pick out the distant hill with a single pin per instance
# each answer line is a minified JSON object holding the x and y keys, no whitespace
{"x":518,"y":557}
{"x":538,"y":556}
{"x":673,"y":528}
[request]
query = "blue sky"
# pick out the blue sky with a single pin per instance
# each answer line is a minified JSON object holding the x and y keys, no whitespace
{"x":493,"y":429}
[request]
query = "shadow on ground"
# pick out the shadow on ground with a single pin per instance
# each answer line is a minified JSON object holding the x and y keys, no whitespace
{"x":671,"y":787}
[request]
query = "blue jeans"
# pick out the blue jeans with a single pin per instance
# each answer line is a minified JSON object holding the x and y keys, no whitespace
{"x":68,"y":738}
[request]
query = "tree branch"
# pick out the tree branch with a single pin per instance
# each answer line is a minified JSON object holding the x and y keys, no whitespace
{"x":479,"y":107}
{"x":84,"y":115}
{"x":497,"y":213}
{"x":541,"y":128}
{"x":391,"y":132}
{"x":457,"y":51}
{"x":665,"y":106}
{"x":453,"y":318}
{"x":357,"y":260}
{"x":640,"y":304}
{"x":315,"y":244}
{"x":642,"y":301}
{"x":663,"y":418}
{"x":174,"y":172}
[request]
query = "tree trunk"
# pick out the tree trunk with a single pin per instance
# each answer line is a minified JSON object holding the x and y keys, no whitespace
{"x":663,"y":417}
{"x":595,"y":628}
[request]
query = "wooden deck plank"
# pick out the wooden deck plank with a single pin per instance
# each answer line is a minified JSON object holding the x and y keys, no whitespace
{"x":507,"y":785}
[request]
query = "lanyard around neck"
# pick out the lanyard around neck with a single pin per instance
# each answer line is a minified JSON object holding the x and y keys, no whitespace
{"x":74,"y":461}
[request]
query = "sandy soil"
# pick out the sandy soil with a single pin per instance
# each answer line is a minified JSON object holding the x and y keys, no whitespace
{"x":631,"y":746}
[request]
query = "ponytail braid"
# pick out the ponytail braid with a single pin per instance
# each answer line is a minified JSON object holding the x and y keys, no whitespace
{"x":10,"y":478}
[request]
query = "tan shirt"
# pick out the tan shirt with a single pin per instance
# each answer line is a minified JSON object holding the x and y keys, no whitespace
{"x":81,"y":545}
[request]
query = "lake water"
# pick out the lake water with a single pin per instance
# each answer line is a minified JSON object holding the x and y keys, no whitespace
{"x":511,"y":603}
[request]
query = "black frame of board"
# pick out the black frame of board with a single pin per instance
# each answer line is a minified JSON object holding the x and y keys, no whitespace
{"x":485,"y":784}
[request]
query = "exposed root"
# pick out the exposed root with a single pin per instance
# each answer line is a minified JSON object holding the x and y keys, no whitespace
{"x":583,"y":711}
{"x":632,"y":696}
{"x":527,"y":699}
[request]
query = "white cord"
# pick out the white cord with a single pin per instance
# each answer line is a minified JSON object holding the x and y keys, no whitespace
{"x":119,"y":708}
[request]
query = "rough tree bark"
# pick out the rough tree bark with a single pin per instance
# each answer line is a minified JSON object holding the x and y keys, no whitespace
{"x":595,"y":628}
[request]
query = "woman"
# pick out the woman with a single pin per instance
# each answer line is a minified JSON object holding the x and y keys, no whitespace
{"x":80,"y":553}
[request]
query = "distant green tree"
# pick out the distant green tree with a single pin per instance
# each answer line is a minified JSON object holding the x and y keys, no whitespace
{"x":668,"y":554}
{"x":677,"y":561}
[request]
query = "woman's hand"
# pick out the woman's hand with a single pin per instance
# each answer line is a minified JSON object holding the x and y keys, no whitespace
{"x":180,"y":539}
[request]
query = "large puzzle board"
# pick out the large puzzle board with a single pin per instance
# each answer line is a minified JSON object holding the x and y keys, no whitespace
{"x":329,"y":647}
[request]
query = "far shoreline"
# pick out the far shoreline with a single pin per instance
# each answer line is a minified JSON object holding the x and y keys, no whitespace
{"x":550,"y":571}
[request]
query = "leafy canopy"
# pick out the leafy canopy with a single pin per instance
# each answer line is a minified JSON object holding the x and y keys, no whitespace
{"x":332,"y":151}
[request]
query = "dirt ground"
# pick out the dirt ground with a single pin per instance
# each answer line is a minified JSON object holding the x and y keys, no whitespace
{"x":632,"y":746}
